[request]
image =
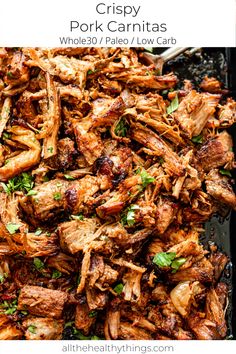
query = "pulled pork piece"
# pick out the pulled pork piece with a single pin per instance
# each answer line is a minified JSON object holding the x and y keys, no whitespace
{"x":5,"y":114}
{"x":158,"y":147}
{"x":201,"y":271}
{"x":8,"y":330}
{"x":219,"y":188}
{"x":17,"y":73}
{"x":216,"y":152}
{"x":89,"y":141}
{"x":62,"y":262}
{"x":76,"y":235}
{"x":166,"y":211}
{"x":227,"y":114}
{"x":215,"y":312}
{"x":64,"y":158}
{"x":183,"y":295}
{"x":128,"y":331}
{"x":132,"y":285}
{"x":112,"y":323}
{"x":25,"y":159}
{"x":101,"y":274}
{"x":108,"y":116}
{"x":44,"y":244}
{"x":202,"y":327}
{"x":96,"y":299}
{"x":194,"y":111}
{"x":49,"y":199}
{"x":83,"y":321}
{"x":211,"y":84}
{"x":52,"y":124}
{"x":219,"y":261}
{"x":79,"y":193}
{"x":146,"y":81}
{"x":43,"y":328}
{"x":42,"y":302}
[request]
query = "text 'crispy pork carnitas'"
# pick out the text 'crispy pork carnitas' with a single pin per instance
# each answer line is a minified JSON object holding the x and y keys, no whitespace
{"x":107,"y":173}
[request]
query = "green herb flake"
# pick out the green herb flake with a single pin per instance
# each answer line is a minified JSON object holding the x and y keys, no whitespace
{"x":38,"y":263}
{"x":32,"y":192}
{"x":173,"y":105}
{"x":2,"y":278}
{"x":6,"y":135}
{"x":23,"y":182}
{"x":225,"y":172}
{"x":77,"y":217}
{"x":69,"y":324}
{"x":146,"y":178}
{"x":32,"y":329}
{"x":9,"y":307}
{"x":9,"y":75}
{"x":50,"y":149}
{"x":70,"y":178}
{"x":57,"y":196}
{"x":5,"y":188}
{"x":164,"y":259}
{"x":197,"y":139}
{"x":121,"y":128}
{"x":38,"y":232}
{"x":24,"y":312}
{"x":12,"y":227}
{"x":129,"y":215}
{"x":177,"y":263}
{"x":118,"y":288}
{"x":56,"y":274}
{"x":92,"y":314}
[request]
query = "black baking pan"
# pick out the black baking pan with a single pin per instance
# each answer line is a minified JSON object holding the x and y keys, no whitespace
{"x":219,"y":63}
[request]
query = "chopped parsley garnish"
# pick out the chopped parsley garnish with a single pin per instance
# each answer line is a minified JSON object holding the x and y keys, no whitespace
{"x":121,"y":128}
{"x":12,"y":227}
{"x":23,"y":182}
{"x":9,"y":307}
{"x":57,"y":196}
{"x":197,"y":139}
{"x":225,"y":172}
{"x":173,"y":105}
{"x":38,"y":232}
{"x":93,"y":314}
{"x":164,"y":259}
{"x":2,"y":278}
{"x":146,"y":178}
{"x":70,"y":178}
{"x":56,"y":274}
{"x":9,"y":75}
{"x":6,"y":135}
{"x":50,"y":149}
{"x":128,"y":217}
{"x":168,"y":259}
{"x":77,"y":217}
{"x":32,"y":192}
{"x":118,"y":288}
{"x":32,"y":329}
{"x":38,"y":263}
{"x":177,"y":263}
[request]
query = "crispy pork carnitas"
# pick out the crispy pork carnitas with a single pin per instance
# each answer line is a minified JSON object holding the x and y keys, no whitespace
{"x":108,"y":172}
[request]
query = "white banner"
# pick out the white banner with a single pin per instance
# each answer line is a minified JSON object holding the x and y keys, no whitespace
{"x":148,"y":23}
{"x":118,"y":347}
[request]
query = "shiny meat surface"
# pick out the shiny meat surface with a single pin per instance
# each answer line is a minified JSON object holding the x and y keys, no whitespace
{"x":108,"y":172}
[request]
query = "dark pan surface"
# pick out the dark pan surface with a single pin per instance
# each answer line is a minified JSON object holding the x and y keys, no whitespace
{"x":216,"y":62}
